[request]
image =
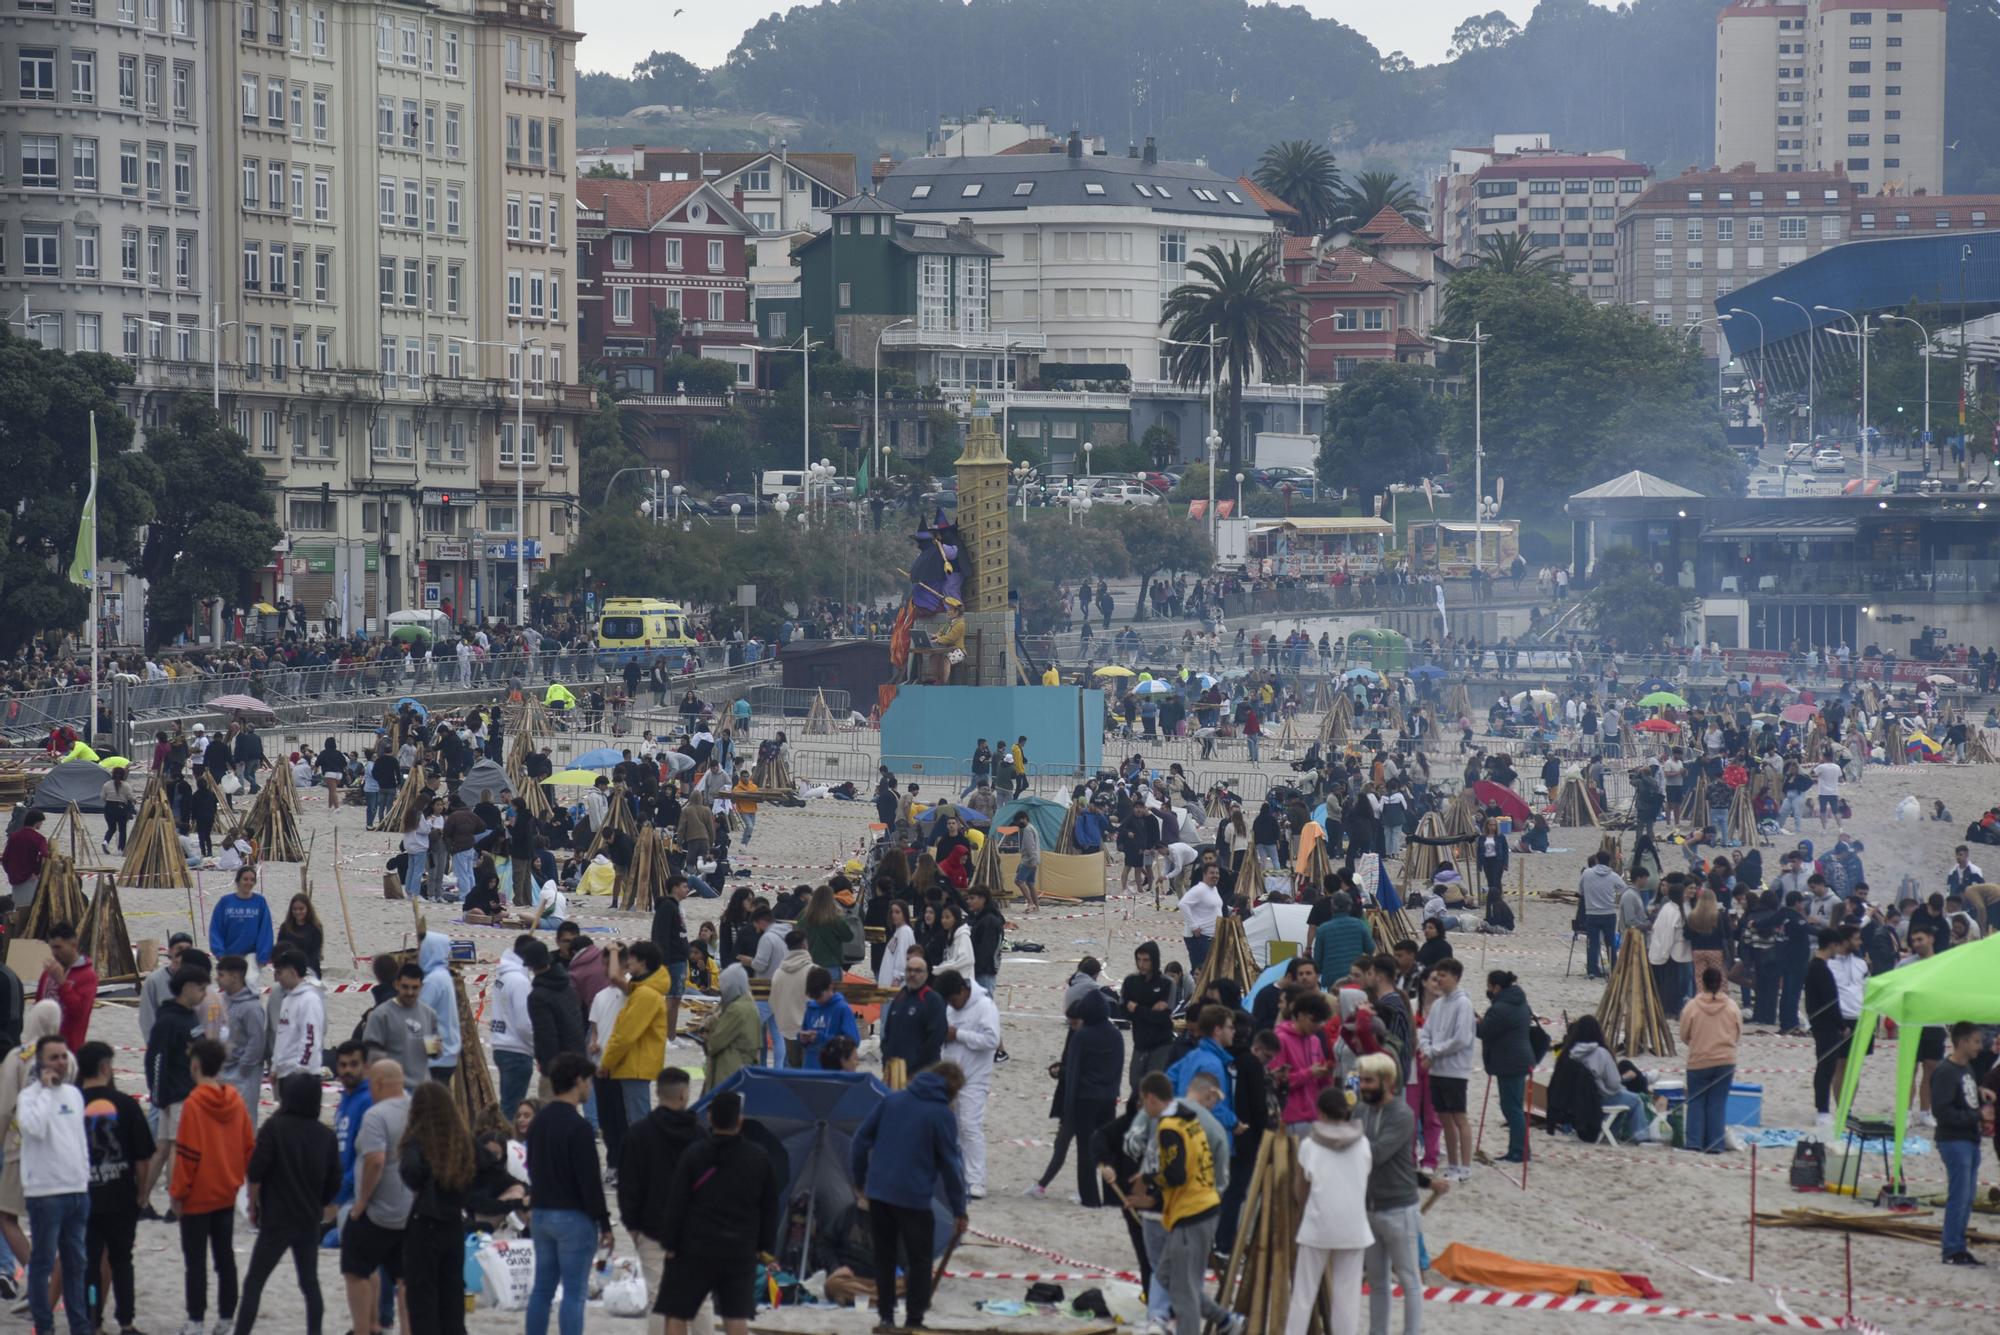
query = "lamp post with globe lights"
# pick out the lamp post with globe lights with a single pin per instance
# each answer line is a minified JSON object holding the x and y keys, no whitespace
{"x":1022,"y":472}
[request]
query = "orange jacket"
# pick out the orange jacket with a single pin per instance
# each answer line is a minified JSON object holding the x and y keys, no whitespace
{"x":211,"y":1150}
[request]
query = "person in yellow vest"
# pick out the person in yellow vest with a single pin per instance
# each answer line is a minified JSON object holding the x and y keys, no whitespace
{"x":1051,"y":677}
{"x":746,"y":806}
{"x":1183,"y":1176}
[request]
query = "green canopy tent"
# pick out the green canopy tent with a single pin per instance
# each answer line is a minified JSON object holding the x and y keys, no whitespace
{"x":1044,"y":815}
{"x":1962,"y":983}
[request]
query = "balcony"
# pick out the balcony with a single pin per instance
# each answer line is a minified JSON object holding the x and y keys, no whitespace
{"x":1914,"y":581}
{"x":719,"y":328}
{"x":463,"y":392}
{"x":983,"y":340}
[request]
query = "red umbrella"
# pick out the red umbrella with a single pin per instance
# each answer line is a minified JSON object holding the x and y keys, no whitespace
{"x":1797,"y":713}
{"x":1491,"y":794}
{"x":1656,"y":725}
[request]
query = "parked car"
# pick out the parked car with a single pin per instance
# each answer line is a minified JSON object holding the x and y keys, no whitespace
{"x":1123,"y":493}
{"x":1829,"y":460}
{"x":751,"y":505}
{"x":1162,"y":480}
{"x":1799,"y":452}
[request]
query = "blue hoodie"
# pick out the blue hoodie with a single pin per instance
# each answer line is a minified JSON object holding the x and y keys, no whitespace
{"x":240,"y":926}
{"x":347,"y":1115}
{"x":921,"y":1135}
{"x":828,"y":1020}
{"x":433,"y":953}
{"x":1210,"y":1056}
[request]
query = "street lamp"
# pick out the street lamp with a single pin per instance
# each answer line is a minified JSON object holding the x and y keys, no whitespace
{"x":1213,"y":441}
{"x":1478,"y":345}
{"x":1087,"y":448}
{"x":781,"y":507}
{"x":820,"y":480}
{"x":679,"y":491}
{"x":214,"y":330}
{"x":1022,"y":472}
{"x":1239,"y":495}
{"x":1720,"y":339}
{"x":1927,"y":382}
{"x":735,"y":509}
{"x":878,"y":375}
{"x":804,"y":348}
{"x":1812,"y":362}
{"x":1861,"y":332}
{"x":520,"y":345}
{"x":1079,"y":504}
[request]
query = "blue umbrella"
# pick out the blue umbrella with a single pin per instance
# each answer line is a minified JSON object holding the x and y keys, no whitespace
{"x":604,"y":757}
{"x":806,"y":1121}
{"x":415,"y":704}
{"x":1154,"y":687}
{"x":1268,"y":978}
{"x":1426,"y":672}
{"x":966,"y":814}
{"x":1651,"y":684}
{"x":1364,"y":673}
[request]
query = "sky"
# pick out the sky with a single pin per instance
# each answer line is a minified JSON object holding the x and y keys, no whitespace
{"x":621,"y":32}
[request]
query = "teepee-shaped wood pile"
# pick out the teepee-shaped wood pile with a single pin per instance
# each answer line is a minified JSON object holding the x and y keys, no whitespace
{"x":58,"y":899}
{"x":1574,"y":806}
{"x":1389,"y":926}
{"x":1743,"y":817}
{"x":1420,"y":856}
{"x":1338,"y":719}
{"x":987,"y":872}
{"x":641,"y":882}
{"x":819,"y":718}
{"x":1611,"y":853}
{"x":1257,"y":1282}
{"x":153,"y":855}
{"x":772,"y":772}
{"x":69,"y":833}
{"x":617,"y":817}
{"x":272,"y":822}
{"x":1463,"y":816}
{"x":524,"y":717}
{"x":1457,"y":701}
{"x":1229,"y":957}
{"x":1630,"y":1012}
{"x":1694,"y":806}
{"x":1977,"y":750}
{"x":104,"y":937}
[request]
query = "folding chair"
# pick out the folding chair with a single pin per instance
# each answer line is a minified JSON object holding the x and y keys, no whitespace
{"x":1607,"y":1131}
{"x":1575,"y":936}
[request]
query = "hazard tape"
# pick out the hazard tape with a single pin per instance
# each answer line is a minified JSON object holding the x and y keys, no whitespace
{"x":1552,"y":1302}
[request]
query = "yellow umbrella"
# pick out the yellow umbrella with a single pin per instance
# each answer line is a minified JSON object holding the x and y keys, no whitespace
{"x":574,"y":778}
{"x":1113,"y":671}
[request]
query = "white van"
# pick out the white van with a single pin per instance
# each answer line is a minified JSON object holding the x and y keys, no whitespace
{"x":776,"y":482}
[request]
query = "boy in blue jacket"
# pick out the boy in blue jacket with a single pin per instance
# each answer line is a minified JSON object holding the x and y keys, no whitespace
{"x":1217,"y":1027}
{"x":241,"y":923}
{"x":828,"y":1016}
{"x":921,"y":1135}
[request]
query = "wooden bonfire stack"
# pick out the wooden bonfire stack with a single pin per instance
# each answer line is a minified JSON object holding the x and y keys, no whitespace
{"x":1257,"y":1282}
{"x":1611,"y":853}
{"x":987,"y":872}
{"x":58,"y":900}
{"x":1457,"y":702}
{"x":1694,"y":806}
{"x":153,"y":854}
{"x":73,"y":837}
{"x":1743,"y":817}
{"x":1977,"y":749}
{"x":410,"y":796}
{"x":1420,"y":857}
{"x":272,"y":822}
{"x":641,"y":882}
{"x":617,"y":816}
{"x":521,"y":745}
{"x":1229,"y":957}
{"x":1339,"y":718}
{"x":1574,"y":806}
{"x":819,"y":718}
{"x":1634,"y":1021}
{"x":774,"y":775}
{"x":103,"y":936}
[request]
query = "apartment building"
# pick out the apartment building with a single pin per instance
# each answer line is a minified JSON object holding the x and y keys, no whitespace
{"x":1374,"y":301}
{"x":784,"y":193}
{"x":1687,"y":242}
{"x":104,"y":213}
{"x":1851,"y":84}
{"x":1925,"y":213}
{"x":1088,"y":246}
{"x":1565,"y":204}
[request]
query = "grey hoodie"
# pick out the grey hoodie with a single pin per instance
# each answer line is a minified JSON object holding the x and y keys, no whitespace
{"x":1448,"y":1036}
{"x":1391,"y":1126}
{"x":1600,"y":887}
{"x":1602,"y":1066}
{"x":244,"y":1013}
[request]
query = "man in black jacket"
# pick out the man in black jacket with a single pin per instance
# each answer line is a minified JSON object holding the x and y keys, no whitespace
{"x":1146,"y":1001}
{"x":1093,"y":1069}
{"x":1955,"y":1104}
{"x":120,"y":1145}
{"x":723,"y":1211}
{"x":913,"y":1028}
{"x":653,"y":1150}
{"x":554,"y":1012}
{"x":987,"y":929}
{"x":294,"y":1175}
{"x":572,"y":1221}
{"x":169,"y":1077}
{"x":670,"y":934}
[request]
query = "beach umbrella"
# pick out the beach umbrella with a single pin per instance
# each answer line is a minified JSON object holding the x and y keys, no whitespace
{"x":1113,"y":671}
{"x":1797,"y":713}
{"x":604,"y":757}
{"x":1651,"y":684}
{"x":1205,"y":680}
{"x":240,"y":704}
{"x":1656,"y":725}
{"x":1490,"y":794}
{"x":1152,"y":688}
{"x":1939,"y":679}
{"x":412,"y":702}
{"x":1538,"y":697}
{"x":412,"y":635}
{"x":573,"y":778}
{"x":1426,"y":672}
{"x":1363,"y":673}
{"x":966,"y":814}
{"x":1662,"y":700}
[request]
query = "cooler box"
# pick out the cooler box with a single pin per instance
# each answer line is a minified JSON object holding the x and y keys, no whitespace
{"x":1746,"y":1106}
{"x":1675,"y":1093}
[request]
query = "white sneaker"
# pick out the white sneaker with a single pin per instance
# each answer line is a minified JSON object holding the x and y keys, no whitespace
{"x":976,"y":1193}
{"x":1824,"y":1121}
{"x":1034,"y":1191}
{"x":1923,"y":1119}
{"x":194,"y":1328}
{"x":226,"y":1326}
{"x":1075,"y":1199}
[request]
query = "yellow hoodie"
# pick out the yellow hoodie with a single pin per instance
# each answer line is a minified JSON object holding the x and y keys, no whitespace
{"x":638,"y":1046}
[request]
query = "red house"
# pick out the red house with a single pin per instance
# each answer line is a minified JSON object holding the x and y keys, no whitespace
{"x":656,"y":247}
{"x":1372,"y":300}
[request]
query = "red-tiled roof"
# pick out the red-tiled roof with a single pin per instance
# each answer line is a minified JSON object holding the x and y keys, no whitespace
{"x":1390,"y":228}
{"x":1348,"y":272}
{"x":1407,"y":337}
{"x":1264,"y":199}
{"x":1299,"y":248}
{"x":633,"y":206}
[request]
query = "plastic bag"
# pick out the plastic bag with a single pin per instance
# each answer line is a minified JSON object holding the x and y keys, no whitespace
{"x":625,"y":1289}
{"x":507,"y":1273}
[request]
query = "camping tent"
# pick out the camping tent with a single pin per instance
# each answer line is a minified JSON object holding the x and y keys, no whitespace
{"x":485,"y":777}
{"x":1962,"y":983}
{"x":1277,"y":922}
{"x":1044,"y":815}
{"x":806,"y":1121}
{"x":78,"y":781}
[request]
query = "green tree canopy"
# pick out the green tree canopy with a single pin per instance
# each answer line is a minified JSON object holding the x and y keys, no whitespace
{"x":1369,"y":193}
{"x":1242,"y":301}
{"x":1160,"y":540}
{"x":212,"y":525}
{"x":1513,"y":253}
{"x":1634,"y":606}
{"x":1577,"y":393}
{"x":1384,"y":426}
{"x":1302,"y":174}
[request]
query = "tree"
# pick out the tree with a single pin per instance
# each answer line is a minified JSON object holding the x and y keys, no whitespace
{"x":1384,"y":428}
{"x":1483,"y":32}
{"x":1245,"y":304}
{"x":46,"y":399}
{"x":666,"y":329}
{"x":1371,"y":192}
{"x":703,"y":377}
{"x":1160,"y":445}
{"x":212,"y":525}
{"x":604,"y":171}
{"x":1398,"y":63}
{"x":1634,"y":606}
{"x":1302,"y":174}
{"x":606,"y":443}
{"x":1053,"y":549}
{"x":1575,"y":393}
{"x":1160,"y":539}
{"x":1513,"y":253}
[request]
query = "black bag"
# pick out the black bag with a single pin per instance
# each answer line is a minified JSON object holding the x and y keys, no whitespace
{"x":1539,"y":1041}
{"x":1041,"y":1292}
{"x":1809,"y":1166}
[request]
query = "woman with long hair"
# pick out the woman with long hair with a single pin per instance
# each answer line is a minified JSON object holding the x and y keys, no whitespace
{"x":895,"y":866}
{"x":958,"y":939}
{"x":902,"y":937}
{"x":416,"y":848}
{"x":935,"y":940}
{"x":1708,"y":932}
{"x":925,"y":878}
{"x":1492,"y":854}
{"x":437,"y":1165}
{"x":332,"y":768}
{"x":827,"y":930}
{"x":301,"y":929}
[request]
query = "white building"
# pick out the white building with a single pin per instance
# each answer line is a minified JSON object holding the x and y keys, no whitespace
{"x":1089,"y":245}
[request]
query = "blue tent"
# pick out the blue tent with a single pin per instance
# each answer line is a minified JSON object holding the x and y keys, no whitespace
{"x":806,"y":1120}
{"x":1044,"y":815}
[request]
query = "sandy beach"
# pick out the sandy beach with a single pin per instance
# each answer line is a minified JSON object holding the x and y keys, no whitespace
{"x":1680,"y":1219}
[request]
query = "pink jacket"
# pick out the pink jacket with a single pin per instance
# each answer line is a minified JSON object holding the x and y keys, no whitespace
{"x":1297,"y":1055}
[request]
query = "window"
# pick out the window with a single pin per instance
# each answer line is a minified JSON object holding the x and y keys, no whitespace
{"x":411,"y":275}
{"x":1857,"y":67}
{"x":82,"y":163}
{"x":513,"y":216}
{"x":1892,"y":90}
{"x":1663,"y":229}
{"x":920,"y":192}
{"x":1092,"y":188}
{"x":453,"y":210}
{"x":128,"y":255}
{"x":89,"y":333}
{"x":1491,"y":189}
{"x":1755,"y":229}
{"x":385,"y":122}
{"x":538,"y":286}
{"x":82,"y":76}
{"x":319,"y":31}
{"x":1791,"y":229}
{"x":253,"y":267}
{"x":535,"y":220}
{"x":451,"y":52}
{"x":515,"y":283}
{"x":673,"y":252}
{"x":1663,"y":261}
{"x":322,"y":197}
{"x":38,"y":161}
{"x":1024,"y":187}
{"x":971,"y":191}
{"x":1858,"y":43}
{"x":409,"y":204}
{"x":535,"y":133}
{"x":453,"y":148}
{"x":128,"y":81}
{"x":322,"y":274}
{"x":715,"y":257}
{"x":183,"y":175}
{"x":1858,"y":90}
{"x":514,"y":139}
{"x":621,"y":252}
{"x":385,"y":280}
{"x":320,"y":115}
{"x":454,"y":287}
{"x":38,"y":74}
{"x":1829,"y":229}
{"x":1694,"y":231}
{"x":183,"y":97}
{"x":1725,"y":229}
{"x":847,"y":295}
{"x":128,"y":169}
{"x":621,"y":305}
{"x":716,"y":306}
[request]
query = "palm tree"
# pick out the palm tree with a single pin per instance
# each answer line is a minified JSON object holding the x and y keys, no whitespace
{"x":1302,"y":174}
{"x":1513,"y":253}
{"x":1244,"y":304}
{"x":1371,"y":192}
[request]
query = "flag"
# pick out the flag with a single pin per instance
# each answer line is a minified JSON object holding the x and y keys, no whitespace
{"x":861,"y":475}
{"x":82,"y":565}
